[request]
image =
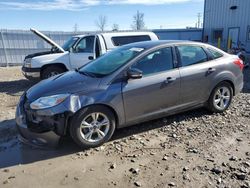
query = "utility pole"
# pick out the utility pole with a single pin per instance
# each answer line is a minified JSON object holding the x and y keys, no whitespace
{"x":4,"y":48}
{"x":75,"y":28}
{"x":199,"y":20}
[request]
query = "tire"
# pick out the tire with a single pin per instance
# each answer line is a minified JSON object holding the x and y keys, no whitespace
{"x":82,"y":137}
{"x":217,"y":103}
{"x":51,"y":71}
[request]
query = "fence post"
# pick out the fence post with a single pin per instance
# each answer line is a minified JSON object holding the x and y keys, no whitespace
{"x":219,"y":43}
{"x":229,"y":44}
{"x":4,"y":49}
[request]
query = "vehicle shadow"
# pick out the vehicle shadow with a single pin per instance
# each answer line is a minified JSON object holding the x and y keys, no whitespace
{"x":15,"y":87}
{"x":13,"y":152}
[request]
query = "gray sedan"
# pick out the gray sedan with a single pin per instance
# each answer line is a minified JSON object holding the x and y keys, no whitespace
{"x":132,"y":84}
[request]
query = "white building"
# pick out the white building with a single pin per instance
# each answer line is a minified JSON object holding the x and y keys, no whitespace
{"x":227,"y":22}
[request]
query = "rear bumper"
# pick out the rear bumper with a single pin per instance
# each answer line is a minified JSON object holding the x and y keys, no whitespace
{"x":31,"y":73}
{"x":239,"y":84}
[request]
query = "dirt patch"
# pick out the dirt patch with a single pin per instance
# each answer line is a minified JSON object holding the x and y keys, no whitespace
{"x":192,"y":149}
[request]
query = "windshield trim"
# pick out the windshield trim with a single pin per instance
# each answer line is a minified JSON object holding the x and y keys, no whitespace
{"x":72,"y":44}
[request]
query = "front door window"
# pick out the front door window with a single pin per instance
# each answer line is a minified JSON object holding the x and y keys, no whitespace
{"x":156,"y":62}
{"x":86,"y":45}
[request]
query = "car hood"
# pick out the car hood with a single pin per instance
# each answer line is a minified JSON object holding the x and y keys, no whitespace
{"x":39,"y":54}
{"x":70,"y":82}
{"x":47,"y":39}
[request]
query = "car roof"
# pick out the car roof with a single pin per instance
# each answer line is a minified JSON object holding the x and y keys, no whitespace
{"x":130,"y":33}
{"x":80,"y":36}
{"x":111,"y":34}
{"x":152,"y":44}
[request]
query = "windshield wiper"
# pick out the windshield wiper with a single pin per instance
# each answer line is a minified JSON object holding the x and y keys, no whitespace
{"x":85,"y":73}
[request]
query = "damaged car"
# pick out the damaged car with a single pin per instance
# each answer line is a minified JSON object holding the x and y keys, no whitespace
{"x":129,"y":85}
{"x":76,"y":52}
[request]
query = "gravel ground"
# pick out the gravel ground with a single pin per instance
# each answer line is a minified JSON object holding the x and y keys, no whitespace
{"x":192,"y":149}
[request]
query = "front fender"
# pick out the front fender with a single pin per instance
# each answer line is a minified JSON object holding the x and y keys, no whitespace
{"x":40,"y":61}
{"x":111,"y":98}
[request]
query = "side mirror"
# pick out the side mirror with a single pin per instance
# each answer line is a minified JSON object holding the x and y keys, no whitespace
{"x":90,"y":57}
{"x":134,"y":73}
{"x":72,"y":50}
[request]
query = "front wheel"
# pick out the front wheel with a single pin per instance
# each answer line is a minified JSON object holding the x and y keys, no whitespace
{"x":220,"y":98}
{"x":51,"y":71}
{"x":92,"y":126}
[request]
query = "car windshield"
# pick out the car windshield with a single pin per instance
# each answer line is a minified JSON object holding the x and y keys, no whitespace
{"x":69,"y":43}
{"x":111,"y":61}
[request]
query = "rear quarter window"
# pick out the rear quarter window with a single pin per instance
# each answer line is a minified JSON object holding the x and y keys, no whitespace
{"x":214,"y":53}
{"x":122,"y":40}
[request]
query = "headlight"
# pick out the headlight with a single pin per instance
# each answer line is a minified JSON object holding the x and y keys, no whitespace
{"x":47,"y":102}
{"x":27,"y":63}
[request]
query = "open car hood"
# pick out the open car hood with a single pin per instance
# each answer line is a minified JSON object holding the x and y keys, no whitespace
{"x":47,"y":39}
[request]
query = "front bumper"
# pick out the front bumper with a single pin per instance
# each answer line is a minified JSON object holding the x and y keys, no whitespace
{"x":48,"y":139}
{"x":41,"y":130}
{"x":31,"y":73}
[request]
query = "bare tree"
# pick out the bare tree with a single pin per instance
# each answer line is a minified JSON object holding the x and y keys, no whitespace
{"x":115,"y":27}
{"x":138,"y":21}
{"x":101,"y":23}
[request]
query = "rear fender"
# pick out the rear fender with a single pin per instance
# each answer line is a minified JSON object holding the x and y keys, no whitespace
{"x":220,"y":77}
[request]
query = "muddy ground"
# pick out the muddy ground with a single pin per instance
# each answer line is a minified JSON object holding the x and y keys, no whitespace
{"x":193,"y":149}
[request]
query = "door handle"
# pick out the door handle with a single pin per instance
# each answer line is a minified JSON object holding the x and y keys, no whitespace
{"x":169,"y":80}
{"x":211,"y":70}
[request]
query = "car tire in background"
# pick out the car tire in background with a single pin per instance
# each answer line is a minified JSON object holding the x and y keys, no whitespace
{"x":51,"y":71}
{"x":220,"y":98}
{"x":92,"y":126}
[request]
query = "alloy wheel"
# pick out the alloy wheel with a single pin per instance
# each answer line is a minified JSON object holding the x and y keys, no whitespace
{"x":222,"y":98}
{"x":94,"y":127}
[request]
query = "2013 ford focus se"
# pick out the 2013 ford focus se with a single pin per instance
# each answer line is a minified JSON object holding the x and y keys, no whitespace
{"x":132,"y":84}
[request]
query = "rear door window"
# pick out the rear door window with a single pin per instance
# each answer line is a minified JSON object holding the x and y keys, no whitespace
{"x":122,"y":40}
{"x":191,"y":55}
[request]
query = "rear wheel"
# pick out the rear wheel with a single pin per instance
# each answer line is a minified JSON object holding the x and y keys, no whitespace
{"x":92,"y":126}
{"x":220,"y":98}
{"x":51,"y":71}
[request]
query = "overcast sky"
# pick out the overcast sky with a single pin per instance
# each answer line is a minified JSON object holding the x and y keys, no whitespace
{"x":62,"y":15}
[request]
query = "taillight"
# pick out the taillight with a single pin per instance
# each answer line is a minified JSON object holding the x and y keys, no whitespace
{"x":239,"y":63}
